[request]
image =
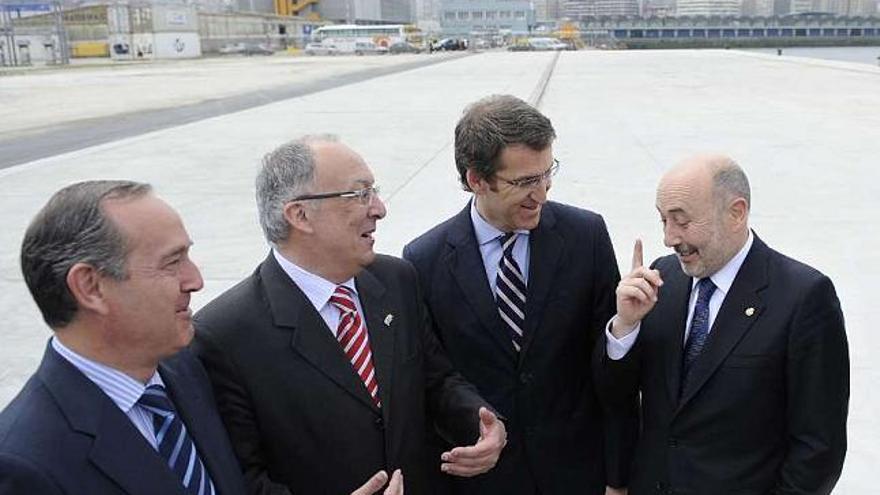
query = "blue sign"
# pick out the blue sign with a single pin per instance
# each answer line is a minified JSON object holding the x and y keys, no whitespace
{"x":27,"y":7}
{"x":307,"y":28}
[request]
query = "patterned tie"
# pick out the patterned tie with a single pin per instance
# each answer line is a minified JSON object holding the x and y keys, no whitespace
{"x":352,"y":336}
{"x":174,"y":444}
{"x":510,"y":291}
{"x":699,"y":325}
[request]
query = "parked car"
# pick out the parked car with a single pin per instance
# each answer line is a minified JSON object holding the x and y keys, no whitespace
{"x":449,"y":44}
{"x":258,"y":49}
{"x":546,"y":44}
{"x":368,"y":48}
{"x":321,"y":49}
{"x":403,"y":47}
{"x":246,"y":49}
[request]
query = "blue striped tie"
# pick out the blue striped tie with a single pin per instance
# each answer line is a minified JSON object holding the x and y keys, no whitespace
{"x":699,"y":325}
{"x":510,"y":291}
{"x":174,"y":442}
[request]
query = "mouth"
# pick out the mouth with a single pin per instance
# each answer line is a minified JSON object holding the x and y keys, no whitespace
{"x":686,"y":253}
{"x":368,"y":235}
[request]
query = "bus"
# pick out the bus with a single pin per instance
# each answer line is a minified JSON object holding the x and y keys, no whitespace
{"x":384,"y":35}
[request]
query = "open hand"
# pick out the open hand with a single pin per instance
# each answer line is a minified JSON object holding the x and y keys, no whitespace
{"x":480,"y":457}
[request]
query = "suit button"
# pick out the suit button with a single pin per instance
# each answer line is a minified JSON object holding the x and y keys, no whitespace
{"x":673,"y":443}
{"x":380,"y":424}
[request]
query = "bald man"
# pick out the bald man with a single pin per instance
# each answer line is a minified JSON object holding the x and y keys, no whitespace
{"x":739,"y":352}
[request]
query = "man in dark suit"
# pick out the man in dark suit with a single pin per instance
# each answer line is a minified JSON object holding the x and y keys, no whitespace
{"x":739,"y":352}
{"x":117,"y":405}
{"x":519,"y":289}
{"x":322,"y":360}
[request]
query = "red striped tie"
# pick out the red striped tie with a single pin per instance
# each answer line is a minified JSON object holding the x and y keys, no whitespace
{"x":355,"y":342}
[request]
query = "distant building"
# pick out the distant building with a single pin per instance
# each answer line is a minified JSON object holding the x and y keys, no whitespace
{"x":658,"y":8}
{"x":466,"y":17}
{"x":760,"y":8}
{"x":583,"y":9}
{"x":548,"y":10}
{"x":708,"y":7}
{"x":366,"y":11}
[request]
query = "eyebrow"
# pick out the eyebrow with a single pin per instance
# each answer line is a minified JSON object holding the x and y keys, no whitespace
{"x":177,"y":251}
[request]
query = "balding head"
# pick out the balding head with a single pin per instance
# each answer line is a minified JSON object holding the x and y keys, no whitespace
{"x":718,"y":175}
{"x":704,"y":204}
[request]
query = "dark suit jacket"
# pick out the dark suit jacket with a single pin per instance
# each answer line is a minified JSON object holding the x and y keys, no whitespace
{"x":555,"y":424}
{"x":765,"y":409}
{"x":63,"y":435}
{"x":299,"y":417}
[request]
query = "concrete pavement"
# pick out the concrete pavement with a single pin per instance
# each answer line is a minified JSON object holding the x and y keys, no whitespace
{"x":806,"y":131}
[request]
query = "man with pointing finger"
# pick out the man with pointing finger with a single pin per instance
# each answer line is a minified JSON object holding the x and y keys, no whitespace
{"x":739,"y":352}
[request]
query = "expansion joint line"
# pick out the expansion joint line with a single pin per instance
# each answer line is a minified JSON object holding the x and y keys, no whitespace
{"x":538,"y":93}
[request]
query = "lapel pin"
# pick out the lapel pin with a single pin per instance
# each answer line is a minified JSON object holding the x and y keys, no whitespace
{"x":750,"y":311}
{"x":388,"y":319}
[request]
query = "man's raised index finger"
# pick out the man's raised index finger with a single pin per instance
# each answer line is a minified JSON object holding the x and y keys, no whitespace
{"x":637,"y":261}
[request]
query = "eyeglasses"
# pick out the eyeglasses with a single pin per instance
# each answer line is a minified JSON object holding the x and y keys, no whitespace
{"x":533,"y":181}
{"x":364,"y":196}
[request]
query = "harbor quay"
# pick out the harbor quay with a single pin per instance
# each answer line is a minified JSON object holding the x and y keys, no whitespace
{"x":805,"y":131}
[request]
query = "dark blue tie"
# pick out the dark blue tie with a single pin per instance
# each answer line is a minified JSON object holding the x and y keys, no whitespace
{"x":175,"y":444}
{"x":510,"y":292}
{"x":699,"y":325}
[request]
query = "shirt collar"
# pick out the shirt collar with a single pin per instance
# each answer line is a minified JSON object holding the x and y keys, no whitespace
{"x":122,"y":389}
{"x":723,"y":278}
{"x":485,"y":231}
{"x":317,"y":289}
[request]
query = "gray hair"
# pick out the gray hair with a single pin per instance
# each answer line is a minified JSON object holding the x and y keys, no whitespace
{"x":729,"y":181}
{"x":490,"y":125}
{"x":73,"y":228}
{"x":285,"y":173}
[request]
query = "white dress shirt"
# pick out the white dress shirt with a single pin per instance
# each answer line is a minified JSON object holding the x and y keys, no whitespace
{"x":318,"y":291}
{"x":122,"y":389}
{"x":723,"y":280}
{"x":492,"y":251}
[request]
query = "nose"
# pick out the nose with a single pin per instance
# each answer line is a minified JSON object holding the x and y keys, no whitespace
{"x":539,"y":192}
{"x":377,"y":208}
{"x":190,"y":277}
{"x":670,"y":235}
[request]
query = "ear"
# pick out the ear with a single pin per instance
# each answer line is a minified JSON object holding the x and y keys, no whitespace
{"x":299,"y":216}
{"x":477,"y":184}
{"x":88,"y":288}
{"x":738,"y":212}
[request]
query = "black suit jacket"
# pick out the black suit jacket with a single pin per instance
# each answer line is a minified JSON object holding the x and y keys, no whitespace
{"x":62,"y":435}
{"x":299,"y":417}
{"x":765,"y":409}
{"x":555,"y":425}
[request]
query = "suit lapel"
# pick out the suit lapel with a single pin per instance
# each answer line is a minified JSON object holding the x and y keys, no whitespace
{"x":311,"y":339}
{"x":376,"y":313}
{"x":677,"y":290}
{"x":118,"y":448}
{"x":545,"y":255}
{"x":466,"y":264}
{"x":732,"y":322}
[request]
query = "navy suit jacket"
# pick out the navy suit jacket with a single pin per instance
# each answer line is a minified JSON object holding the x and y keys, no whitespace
{"x":63,"y":435}
{"x":298,"y":415}
{"x":556,"y":439}
{"x":765,"y":408}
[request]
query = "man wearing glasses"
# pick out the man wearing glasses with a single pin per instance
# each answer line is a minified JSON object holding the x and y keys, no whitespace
{"x":323,"y":363}
{"x":519,"y":289}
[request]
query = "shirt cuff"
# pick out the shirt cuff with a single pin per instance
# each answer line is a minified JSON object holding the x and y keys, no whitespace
{"x":618,"y":348}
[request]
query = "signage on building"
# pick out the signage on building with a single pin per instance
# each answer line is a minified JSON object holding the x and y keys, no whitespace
{"x":176,"y":18}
